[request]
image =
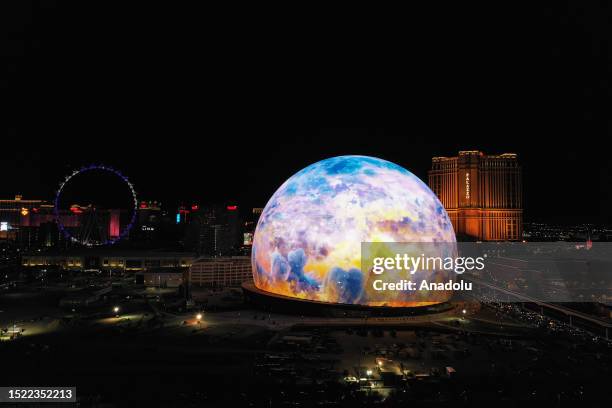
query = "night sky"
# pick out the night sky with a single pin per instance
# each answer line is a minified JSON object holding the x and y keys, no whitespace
{"x":219,"y":106}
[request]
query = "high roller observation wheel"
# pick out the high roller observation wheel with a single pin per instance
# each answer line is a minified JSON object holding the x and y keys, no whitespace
{"x":101,"y":167}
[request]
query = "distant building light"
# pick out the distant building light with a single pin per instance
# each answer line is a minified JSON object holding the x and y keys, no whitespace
{"x":232,"y":207}
{"x":194,"y":207}
{"x":3,"y":226}
{"x":24,"y":211}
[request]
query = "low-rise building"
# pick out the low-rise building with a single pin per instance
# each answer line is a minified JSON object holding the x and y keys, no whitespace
{"x":109,"y":259}
{"x":220,"y":272}
{"x":163,"y":277}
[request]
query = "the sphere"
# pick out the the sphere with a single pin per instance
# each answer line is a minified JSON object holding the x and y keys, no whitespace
{"x":308,"y":240}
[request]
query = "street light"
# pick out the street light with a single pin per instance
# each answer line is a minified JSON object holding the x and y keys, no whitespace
{"x":199,"y":317}
{"x":369,"y":373}
{"x":116,"y":310}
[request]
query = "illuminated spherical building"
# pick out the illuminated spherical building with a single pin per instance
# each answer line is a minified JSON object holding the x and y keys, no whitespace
{"x":307,"y":244}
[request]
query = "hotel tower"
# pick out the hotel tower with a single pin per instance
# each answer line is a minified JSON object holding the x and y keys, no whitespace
{"x":481,"y":193}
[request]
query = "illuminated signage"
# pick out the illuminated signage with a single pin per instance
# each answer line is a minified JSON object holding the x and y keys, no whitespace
{"x":467,"y":186}
{"x":248,"y":238}
{"x":178,"y":218}
{"x":3,"y":226}
{"x":24,"y":211}
{"x":232,"y":207}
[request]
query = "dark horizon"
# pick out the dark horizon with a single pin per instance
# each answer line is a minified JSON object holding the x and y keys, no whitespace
{"x":560,"y":185}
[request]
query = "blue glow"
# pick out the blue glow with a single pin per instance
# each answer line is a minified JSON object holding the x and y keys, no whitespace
{"x":83,"y":169}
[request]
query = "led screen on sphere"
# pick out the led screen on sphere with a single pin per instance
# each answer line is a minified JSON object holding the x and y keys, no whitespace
{"x":308,"y":239}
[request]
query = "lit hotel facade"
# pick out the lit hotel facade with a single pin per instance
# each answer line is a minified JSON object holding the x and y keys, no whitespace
{"x":481,"y":193}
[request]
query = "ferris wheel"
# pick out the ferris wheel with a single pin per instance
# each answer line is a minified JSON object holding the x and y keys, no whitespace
{"x":93,"y":225}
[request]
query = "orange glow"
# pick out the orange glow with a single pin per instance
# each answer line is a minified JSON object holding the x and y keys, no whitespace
{"x":481,"y":193}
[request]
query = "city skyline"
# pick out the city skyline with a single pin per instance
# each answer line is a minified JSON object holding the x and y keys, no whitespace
{"x":249,"y":175}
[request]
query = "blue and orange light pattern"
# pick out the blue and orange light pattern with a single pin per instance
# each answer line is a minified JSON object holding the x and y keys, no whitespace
{"x":308,"y":239}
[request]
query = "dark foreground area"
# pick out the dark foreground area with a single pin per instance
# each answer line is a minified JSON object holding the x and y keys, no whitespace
{"x":238,"y":359}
